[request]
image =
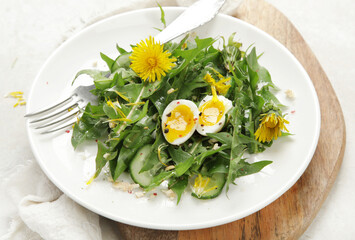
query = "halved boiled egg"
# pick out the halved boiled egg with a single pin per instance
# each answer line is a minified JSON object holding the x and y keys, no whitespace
{"x":212,"y":114}
{"x":179,"y":121}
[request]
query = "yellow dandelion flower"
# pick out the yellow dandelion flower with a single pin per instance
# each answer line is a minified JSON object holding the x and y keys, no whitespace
{"x":149,"y":60}
{"x":270,"y":127}
{"x":222,"y":86}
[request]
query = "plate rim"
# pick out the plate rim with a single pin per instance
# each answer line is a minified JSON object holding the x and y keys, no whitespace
{"x":205,"y":224}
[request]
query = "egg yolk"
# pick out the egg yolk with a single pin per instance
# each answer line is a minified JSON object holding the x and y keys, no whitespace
{"x":211,"y":112}
{"x":179,"y":123}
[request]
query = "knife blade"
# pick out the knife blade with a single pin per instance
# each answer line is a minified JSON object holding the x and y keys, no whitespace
{"x":194,"y":16}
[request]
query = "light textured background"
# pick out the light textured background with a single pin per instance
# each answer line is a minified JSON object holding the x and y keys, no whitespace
{"x":30,"y":30}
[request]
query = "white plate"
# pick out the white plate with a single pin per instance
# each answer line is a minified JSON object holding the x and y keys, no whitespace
{"x":69,"y":170}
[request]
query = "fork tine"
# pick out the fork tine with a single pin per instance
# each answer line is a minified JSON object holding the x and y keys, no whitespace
{"x":49,"y":107}
{"x":55,"y":113}
{"x":59,"y":128}
{"x":60,"y":120}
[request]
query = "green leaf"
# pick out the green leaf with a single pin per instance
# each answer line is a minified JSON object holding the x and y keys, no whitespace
{"x":284,"y":134}
{"x":96,"y":75}
{"x":265,"y":77}
{"x":254,"y":80}
{"x":182,"y":167}
{"x":233,"y":166}
{"x":259,"y":74}
{"x":186,"y":89}
{"x":110,"y":112}
{"x":246,"y":140}
{"x":131,"y":144}
{"x":110,"y":62}
{"x":142,"y":113}
{"x":252,"y":60}
{"x":88,"y":127}
{"x":136,"y":137}
{"x":153,"y":164}
{"x":246,"y":168}
{"x":270,"y":98}
{"x":178,"y":185}
{"x":162,"y":15}
{"x":184,"y":164}
{"x":200,"y":158}
{"x":120,"y":50}
{"x":120,"y":167}
{"x":103,"y":155}
{"x":131,"y":91}
{"x":121,"y":62}
{"x":158,"y":179}
{"x":217,"y":165}
{"x":189,"y":55}
{"x":150,"y":89}
{"x":178,"y":155}
{"x":161,"y":99}
{"x":222,"y":137}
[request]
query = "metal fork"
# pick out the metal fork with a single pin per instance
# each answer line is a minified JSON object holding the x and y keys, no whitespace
{"x":62,"y":113}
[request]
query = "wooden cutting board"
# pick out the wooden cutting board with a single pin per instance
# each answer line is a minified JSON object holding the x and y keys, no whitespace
{"x":290,"y":215}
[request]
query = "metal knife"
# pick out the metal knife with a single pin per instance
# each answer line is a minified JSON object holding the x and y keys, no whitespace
{"x":194,"y":16}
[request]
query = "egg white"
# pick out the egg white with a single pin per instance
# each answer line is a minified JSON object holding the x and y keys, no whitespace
{"x":203,"y":130}
{"x":192,"y":106}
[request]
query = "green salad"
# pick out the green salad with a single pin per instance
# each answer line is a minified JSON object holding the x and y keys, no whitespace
{"x":183,"y":112}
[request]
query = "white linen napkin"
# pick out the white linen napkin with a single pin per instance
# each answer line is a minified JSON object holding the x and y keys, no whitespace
{"x":43,"y":211}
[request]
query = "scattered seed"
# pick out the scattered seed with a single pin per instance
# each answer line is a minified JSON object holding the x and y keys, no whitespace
{"x":171,"y":90}
{"x":168,"y":168}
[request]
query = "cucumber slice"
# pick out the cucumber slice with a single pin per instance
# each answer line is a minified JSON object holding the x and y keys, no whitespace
{"x":144,"y":178}
{"x":213,"y":188}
